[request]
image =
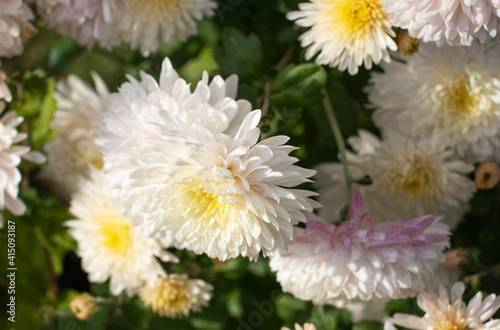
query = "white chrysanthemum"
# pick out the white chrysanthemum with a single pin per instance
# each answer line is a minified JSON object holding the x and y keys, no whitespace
{"x":87,"y":21}
{"x":456,"y":22}
{"x":150,"y":24}
{"x":345,"y":33}
{"x":78,"y":113}
{"x":360,"y":260}
{"x":15,"y":17}
{"x":224,"y":195}
{"x":453,"y":92}
{"x":108,"y":242}
{"x":136,"y":111}
{"x":10,"y":157}
{"x":445,"y":311}
{"x":175,"y":295}
{"x":4,"y":89}
{"x":409,"y":178}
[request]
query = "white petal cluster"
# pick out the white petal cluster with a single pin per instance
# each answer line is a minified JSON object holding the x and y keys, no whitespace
{"x":175,"y":295}
{"x":189,"y":163}
{"x":445,"y":311}
{"x":110,"y":246}
{"x":15,"y":17}
{"x":452,"y":92}
{"x":87,"y":21}
{"x":78,"y":112}
{"x":456,"y":22}
{"x":409,"y":178}
{"x":146,"y":25}
{"x":11,"y":155}
{"x":345,"y":33}
{"x":150,"y":24}
{"x":361,"y":260}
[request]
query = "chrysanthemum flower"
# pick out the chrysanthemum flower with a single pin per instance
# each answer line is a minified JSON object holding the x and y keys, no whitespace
{"x":150,"y":24}
{"x":453,"y":92}
{"x":361,"y":260}
{"x":140,"y":107}
{"x":108,"y":242}
{"x":345,"y":33}
{"x":456,"y":22}
{"x":446,"y":311}
{"x":224,"y":195}
{"x":78,"y":113}
{"x":10,"y":157}
{"x":15,"y":17}
{"x":409,"y":178}
{"x":87,"y":21}
{"x":175,"y":295}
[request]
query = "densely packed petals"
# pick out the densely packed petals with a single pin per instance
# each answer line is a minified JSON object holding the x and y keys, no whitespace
{"x":448,"y":311}
{"x":74,"y":150}
{"x":109,"y":244}
{"x":408,"y":178}
{"x":449,"y":92}
{"x":345,"y":33}
{"x":361,"y":260}
{"x":175,"y":295}
{"x":11,"y":155}
{"x":15,"y":25}
{"x":456,"y":22}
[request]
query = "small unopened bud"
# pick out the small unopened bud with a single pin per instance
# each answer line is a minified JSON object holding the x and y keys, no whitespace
{"x":83,"y":306}
{"x":407,"y":45}
{"x":487,"y":175}
{"x":454,"y":258}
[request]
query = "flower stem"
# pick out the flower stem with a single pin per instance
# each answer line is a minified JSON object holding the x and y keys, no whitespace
{"x":337,"y":134}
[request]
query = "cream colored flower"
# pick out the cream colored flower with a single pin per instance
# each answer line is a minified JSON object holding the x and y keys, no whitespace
{"x":345,"y":33}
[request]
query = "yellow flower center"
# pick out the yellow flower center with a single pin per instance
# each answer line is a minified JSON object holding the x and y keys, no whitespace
{"x":461,"y":99}
{"x":207,"y":207}
{"x":169,"y":298}
{"x":413,"y":176}
{"x":357,"y":17}
{"x":116,"y":233}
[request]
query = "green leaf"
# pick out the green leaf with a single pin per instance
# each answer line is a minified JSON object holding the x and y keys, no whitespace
{"x":288,"y":306}
{"x":367,"y":325}
{"x":240,"y":54}
{"x":298,"y":86}
{"x":325,"y":318}
{"x":193,"y":69}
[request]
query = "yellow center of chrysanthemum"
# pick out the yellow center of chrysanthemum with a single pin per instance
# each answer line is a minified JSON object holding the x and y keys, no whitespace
{"x":357,"y":17}
{"x":461,"y":99}
{"x":116,"y":233}
{"x":413,"y":176}
{"x":169,"y":298}
{"x":207,"y":207}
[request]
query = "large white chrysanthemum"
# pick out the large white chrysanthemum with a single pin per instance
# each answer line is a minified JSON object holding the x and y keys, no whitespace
{"x":150,"y":24}
{"x":136,"y":111}
{"x":15,"y":17}
{"x":409,"y":178}
{"x":223,"y":195}
{"x":345,"y":33}
{"x":453,"y":92}
{"x":445,"y":311}
{"x":360,"y":260}
{"x":87,"y":21}
{"x":108,"y":242}
{"x":78,"y":113}
{"x":175,"y":295}
{"x":456,"y":22}
{"x":10,"y":157}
